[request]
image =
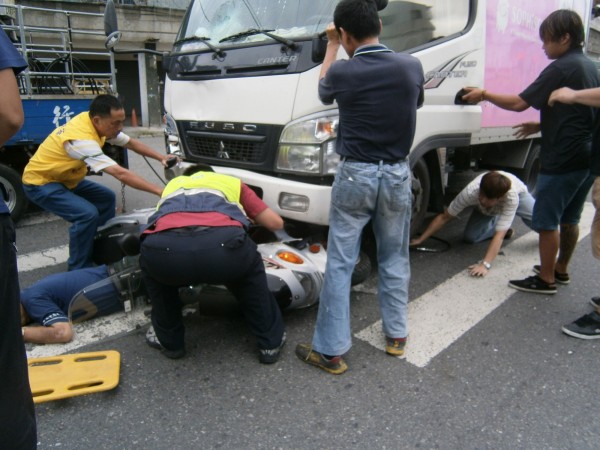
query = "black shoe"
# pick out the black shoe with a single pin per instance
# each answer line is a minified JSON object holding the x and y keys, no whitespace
{"x":270,"y":356}
{"x":586,"y":327}
{"x":561,"y":278}
{"x":595,"y":302}
{"x":152,"y":341}
{"x":533,"y":284}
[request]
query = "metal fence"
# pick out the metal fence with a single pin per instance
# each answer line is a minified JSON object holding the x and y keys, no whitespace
{"x":173,"y":4}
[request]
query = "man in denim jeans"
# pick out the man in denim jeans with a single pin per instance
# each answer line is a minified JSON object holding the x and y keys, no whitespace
{"x":378,"y":93}
{"x":55,"y":177}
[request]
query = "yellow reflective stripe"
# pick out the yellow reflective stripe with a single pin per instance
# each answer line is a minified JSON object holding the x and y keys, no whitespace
{"x":184,"y":191}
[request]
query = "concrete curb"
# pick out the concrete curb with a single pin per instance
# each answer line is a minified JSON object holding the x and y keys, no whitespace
{"x":137,"y":132}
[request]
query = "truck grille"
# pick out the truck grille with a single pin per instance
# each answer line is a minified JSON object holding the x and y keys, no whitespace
{"x":234,"y":150}
{"x":230,"y":144}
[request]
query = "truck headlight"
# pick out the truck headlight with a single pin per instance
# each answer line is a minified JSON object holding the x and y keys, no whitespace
{"x":308,"y":146}
{"x":172,"y":136}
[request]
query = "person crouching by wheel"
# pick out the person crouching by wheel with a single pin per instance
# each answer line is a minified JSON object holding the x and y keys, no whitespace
{"x":198,"y":234}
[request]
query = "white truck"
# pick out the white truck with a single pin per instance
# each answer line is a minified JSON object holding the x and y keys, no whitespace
{"x":241,"y":93}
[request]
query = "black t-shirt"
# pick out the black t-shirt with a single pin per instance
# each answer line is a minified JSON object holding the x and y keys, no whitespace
{"x":595,"y":163}
{"x":378,"y":93}
{"x":566,"y":129}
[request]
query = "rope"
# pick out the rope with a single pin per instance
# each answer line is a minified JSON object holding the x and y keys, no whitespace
{"x":426,"y":249}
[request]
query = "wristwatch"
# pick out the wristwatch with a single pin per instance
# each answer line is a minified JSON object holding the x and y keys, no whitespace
{"x":485,"y":264}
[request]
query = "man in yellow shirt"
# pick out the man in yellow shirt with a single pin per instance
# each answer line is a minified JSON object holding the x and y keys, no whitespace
{"x":54,"y":178}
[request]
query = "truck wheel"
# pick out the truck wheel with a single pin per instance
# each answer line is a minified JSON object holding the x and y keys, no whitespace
{"x":420,"y":195}
{"x":362,"y":269}
{"x":530,"y":172}
{"x":17,"y":201}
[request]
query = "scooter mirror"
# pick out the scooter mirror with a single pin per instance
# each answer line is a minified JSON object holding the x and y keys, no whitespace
{"x":110,"y":19}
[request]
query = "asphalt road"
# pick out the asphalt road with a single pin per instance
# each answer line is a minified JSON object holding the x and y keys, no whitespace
{"x":508,"y":378}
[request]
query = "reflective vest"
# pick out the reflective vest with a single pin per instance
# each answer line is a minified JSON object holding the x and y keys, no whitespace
{"x":202,"y":192}
{"x":51,"y":162}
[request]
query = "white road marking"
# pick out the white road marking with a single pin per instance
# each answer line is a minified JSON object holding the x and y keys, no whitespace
{"x":442,"y":315}
{"x":37,"y":218}
{"x":92,"y":331}
{"x":436,"y":319}
{"x":44,"y":258}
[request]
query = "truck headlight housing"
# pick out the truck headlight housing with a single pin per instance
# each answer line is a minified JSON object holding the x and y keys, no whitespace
{"x":172,"y":136}
{"x":307,"y":146}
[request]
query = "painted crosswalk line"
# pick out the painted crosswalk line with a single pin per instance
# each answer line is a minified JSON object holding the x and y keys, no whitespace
{"x":442,"y":315}
{"x":43,"y":258}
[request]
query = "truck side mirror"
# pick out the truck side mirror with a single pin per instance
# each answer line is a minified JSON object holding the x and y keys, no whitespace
{"x":319,"y":47}
{"x":111,"y":28}
{"x":381,"y":4}
{"x":110,"y":18}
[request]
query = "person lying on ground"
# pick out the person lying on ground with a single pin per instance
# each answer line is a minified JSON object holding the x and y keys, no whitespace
{"x":45,"y":315}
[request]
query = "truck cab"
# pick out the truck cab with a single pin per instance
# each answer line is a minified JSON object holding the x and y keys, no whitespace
{"x":241,"y":93}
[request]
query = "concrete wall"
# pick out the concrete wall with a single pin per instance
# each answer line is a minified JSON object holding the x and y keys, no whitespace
{"x":139,"y":24}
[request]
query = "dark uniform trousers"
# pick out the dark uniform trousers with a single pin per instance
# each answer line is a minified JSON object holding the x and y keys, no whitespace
{"x":214,"y":255}
{"x":17,"y":415}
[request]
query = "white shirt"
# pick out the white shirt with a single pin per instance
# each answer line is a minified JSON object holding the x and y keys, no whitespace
{"x":506,"y":207}
{"x":91,"y":153}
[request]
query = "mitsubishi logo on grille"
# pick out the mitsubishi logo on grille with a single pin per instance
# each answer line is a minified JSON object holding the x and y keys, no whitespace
{"x":222,"y":153}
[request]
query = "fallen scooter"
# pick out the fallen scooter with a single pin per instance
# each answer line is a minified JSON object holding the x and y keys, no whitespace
{"x":294,"y":268}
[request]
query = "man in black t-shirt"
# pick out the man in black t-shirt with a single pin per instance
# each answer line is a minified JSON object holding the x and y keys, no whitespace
{"x":564,"y":179}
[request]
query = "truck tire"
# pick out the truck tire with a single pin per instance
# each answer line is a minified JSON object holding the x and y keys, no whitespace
{"x":362,"y":269}
{"x":17,"y":201}
{"x":530,"y":172}
{"x":421,"y":190}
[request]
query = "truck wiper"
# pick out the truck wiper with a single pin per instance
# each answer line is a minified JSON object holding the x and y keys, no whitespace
{"x":252,"y":31}
{"x":204,"y":40}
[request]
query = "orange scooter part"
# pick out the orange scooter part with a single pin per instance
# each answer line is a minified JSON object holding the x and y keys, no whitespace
{"x":64,"y":376}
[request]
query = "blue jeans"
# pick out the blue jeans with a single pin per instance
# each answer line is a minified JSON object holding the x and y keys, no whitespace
{"x":481,"y":227}
{"x":364,"y":192}
{"x":86,"y":207}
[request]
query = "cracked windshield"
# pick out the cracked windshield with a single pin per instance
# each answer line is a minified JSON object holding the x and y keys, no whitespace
{"x":226,"y":23}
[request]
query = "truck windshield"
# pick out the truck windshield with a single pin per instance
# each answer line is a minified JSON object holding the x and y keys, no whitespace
{"x":227,"y":23}
{"x":222,"y":19}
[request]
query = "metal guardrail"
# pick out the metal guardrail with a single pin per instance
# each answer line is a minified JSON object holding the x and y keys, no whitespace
{"x":54,"y":53}
{"x":173,"y":4}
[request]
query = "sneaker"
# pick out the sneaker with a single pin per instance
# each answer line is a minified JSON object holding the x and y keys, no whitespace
{"x":561,"y":278}
{"x":533,"y":284}
{"x":395,"y":346}
{"x":595,"y":302}
{"x":152,"y":341}
{"x":335,"y":365}
{"x":270,"y":356}
{"x":586,"y":327}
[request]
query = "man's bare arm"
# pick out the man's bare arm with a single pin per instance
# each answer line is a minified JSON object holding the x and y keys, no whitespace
{"x":145,"y":150}
{"x":588,"y":97}
{"x":509,"y":102}
{"x":131,"y":179}
{"x":333,"y":45}
{"x":57,"y":333}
